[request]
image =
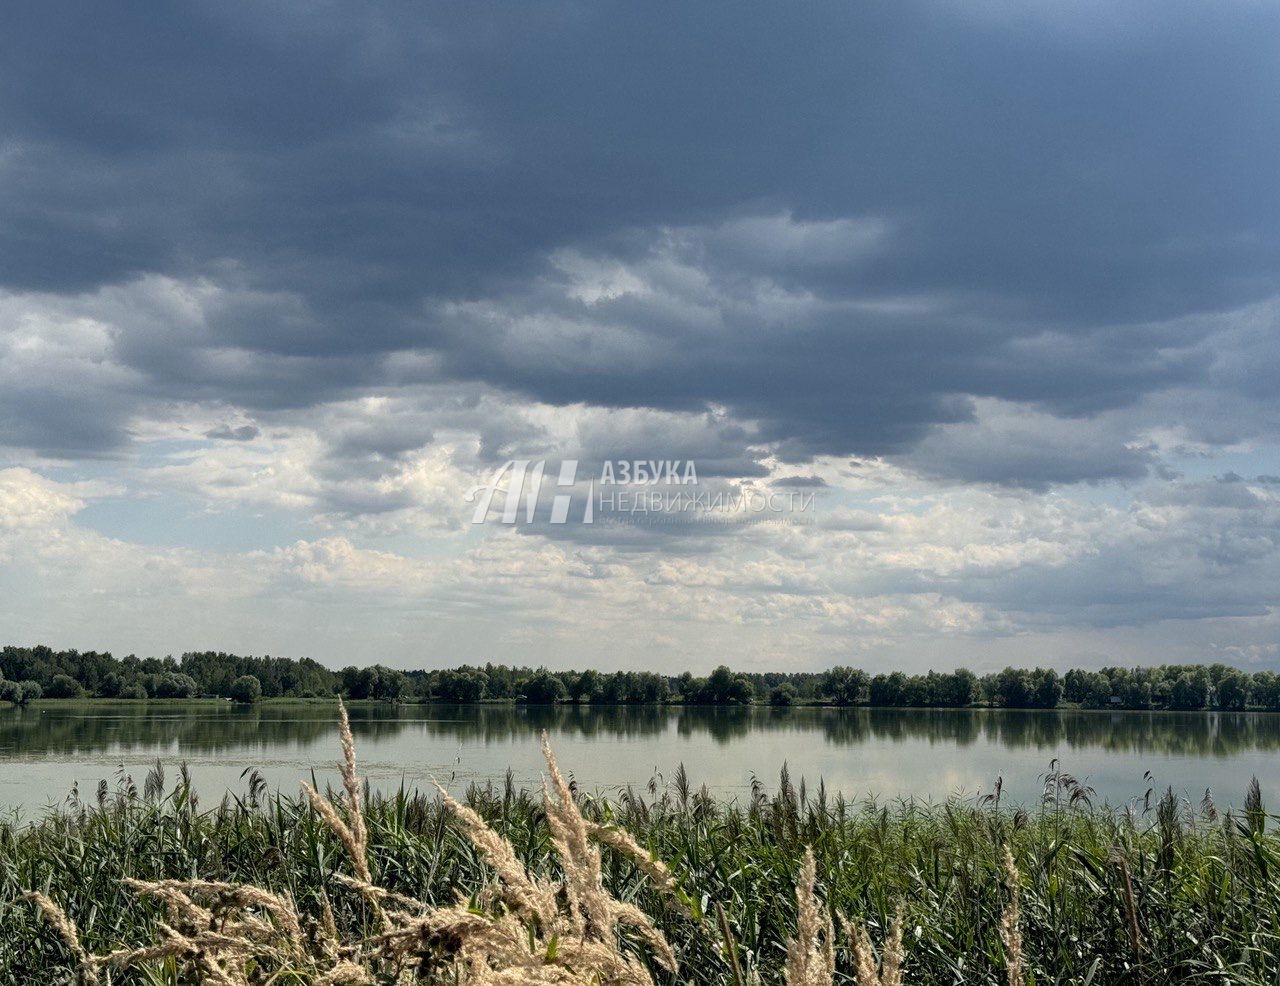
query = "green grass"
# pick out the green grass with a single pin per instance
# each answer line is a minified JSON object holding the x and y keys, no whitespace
{"x":1205,"y":889}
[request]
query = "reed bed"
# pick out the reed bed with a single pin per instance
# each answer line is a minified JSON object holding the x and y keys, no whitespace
{"x":663,"y":885}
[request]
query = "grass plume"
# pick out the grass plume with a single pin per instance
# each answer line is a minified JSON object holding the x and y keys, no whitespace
{"x":811,"y":958}
{"x":1011,"y":923}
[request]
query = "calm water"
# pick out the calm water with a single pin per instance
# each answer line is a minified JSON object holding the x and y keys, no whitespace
{"x":46,"y":750}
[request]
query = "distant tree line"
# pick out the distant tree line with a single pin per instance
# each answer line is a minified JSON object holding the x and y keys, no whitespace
{"x":1215,"y":686}
{"x":27,"y":673}
{"x":74,"y":674}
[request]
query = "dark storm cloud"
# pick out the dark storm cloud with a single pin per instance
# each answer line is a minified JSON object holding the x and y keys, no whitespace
{"x":1013,"y":447}
{"x":243,"y":433}
{"x":953,"y":206}
{"x":34,"y":417}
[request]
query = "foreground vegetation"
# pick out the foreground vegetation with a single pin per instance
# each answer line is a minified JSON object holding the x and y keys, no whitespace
{"x":27,"y":673}
{"x":1161,"y":893}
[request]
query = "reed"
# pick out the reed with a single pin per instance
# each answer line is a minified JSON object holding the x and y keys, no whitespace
{"x":351,"y":887}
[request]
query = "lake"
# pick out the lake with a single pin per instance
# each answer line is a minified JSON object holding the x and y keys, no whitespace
{"x":49,"y":748}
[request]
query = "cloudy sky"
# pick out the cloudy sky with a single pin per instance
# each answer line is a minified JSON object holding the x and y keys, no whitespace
{"x":998,"y":282}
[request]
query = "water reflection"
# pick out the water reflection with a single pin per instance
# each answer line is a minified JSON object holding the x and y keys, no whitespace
{"x":211,"y":729}
{"x":1198,"y":734}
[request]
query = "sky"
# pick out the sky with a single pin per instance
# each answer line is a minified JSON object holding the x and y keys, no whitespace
{"x":992,"y":288}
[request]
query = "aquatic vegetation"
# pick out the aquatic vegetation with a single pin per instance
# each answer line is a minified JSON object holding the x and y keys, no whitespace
{"x":523,"y":929}
{"x":811,"y":952}
{"x":663,"y":886}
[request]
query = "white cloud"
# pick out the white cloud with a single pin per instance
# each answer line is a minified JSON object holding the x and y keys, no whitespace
{"x":916,"y":562}
{"x":28,"y":500}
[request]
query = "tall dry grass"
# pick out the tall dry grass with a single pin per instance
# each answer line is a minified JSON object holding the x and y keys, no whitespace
{"x":1011,"y":924}
{"x":811,"y":952}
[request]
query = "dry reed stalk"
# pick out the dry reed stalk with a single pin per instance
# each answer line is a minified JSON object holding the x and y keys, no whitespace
{"x":891,"y":962}
{"x":892,"y":955}
{"x":864,"y":958}
{"x":1011,"y":924}
{"x":228,"y":896}
{"x":345,"y":973}
{"x":217,"y":942}
{"x":354,"y":836}
{"x":622,"y":841}
{"x":327,"y":922}
{"x":329,"y":815}
{"x":811,"y":951}
{"x":811,"y":959}
{"x":373,"y":891}
{"x":528,"y":897}
{"x":354,"y":789}
{"x":1130,"y":904}
{"x":67,"y":931}
{"x":579,"y":859}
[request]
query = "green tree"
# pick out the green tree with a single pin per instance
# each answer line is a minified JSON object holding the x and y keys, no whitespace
{"x":544,"y":688}
{"x":110,"y":685}
{"x":462,"y":687}
{"x":845,"y":685}
{"x":1190,"y":690}
{"x":956,"y":690}
{"x":887,"y":689}
{"x":20,"y":692}
{"x":651,"y":687}
{"x":174,"y":685}
{"x":64,"y":686}
{"x":1266,"y":689}
{"x":387,"y":684}
{"x":1094,"y":690}
{"x":499,"y":680}
{"x":1232,"y":690}
{"x":1046,"y":688}
{"x":587,"y":687}
{"x":783,"y":695}
{"x":376,"y":682}
{"x":1134,"y":693}
{"x":723,"y":687}
{"x":246,"y":689}
{"x":917,"y":692}
{"x":1012,"y":688}
{"x":1075,"y":685}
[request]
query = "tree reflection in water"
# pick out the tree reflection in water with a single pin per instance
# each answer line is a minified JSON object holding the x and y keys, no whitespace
{"x":211,"y":728}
